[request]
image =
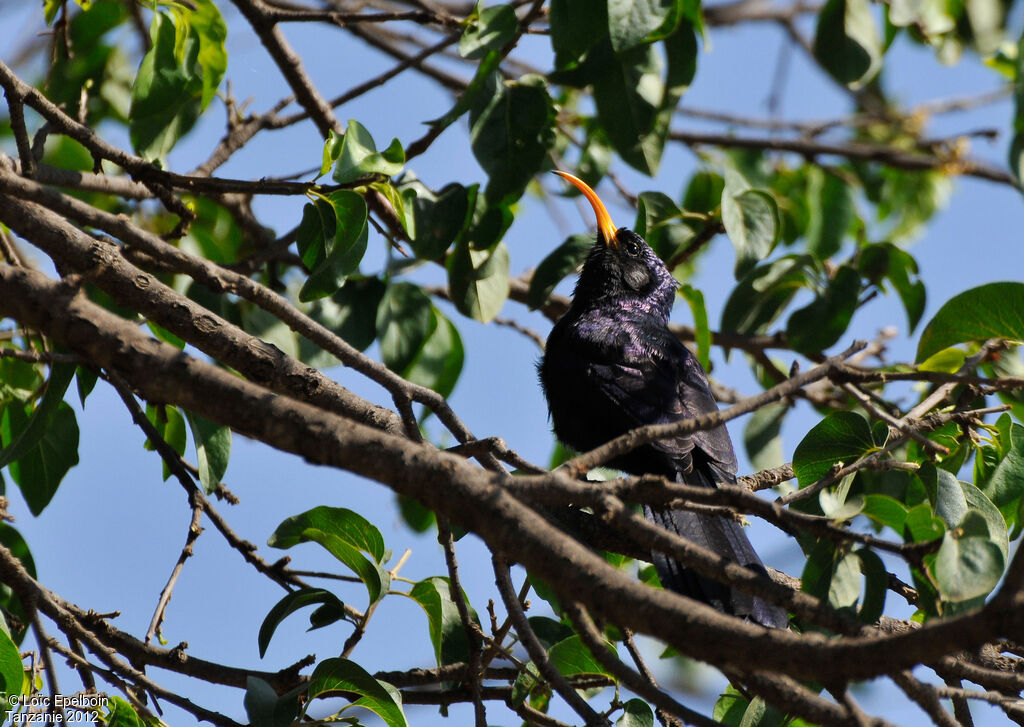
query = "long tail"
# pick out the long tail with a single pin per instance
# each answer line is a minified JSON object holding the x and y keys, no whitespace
{"x":725,"y":537}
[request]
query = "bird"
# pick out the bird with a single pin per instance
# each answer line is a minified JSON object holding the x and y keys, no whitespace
{"x":610,"y":365}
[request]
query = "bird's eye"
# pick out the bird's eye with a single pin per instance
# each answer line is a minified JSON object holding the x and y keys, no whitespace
{"x":631,"y":247}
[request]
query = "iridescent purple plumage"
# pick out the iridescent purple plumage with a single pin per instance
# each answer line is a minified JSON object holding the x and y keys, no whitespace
{"x":610,"y":365}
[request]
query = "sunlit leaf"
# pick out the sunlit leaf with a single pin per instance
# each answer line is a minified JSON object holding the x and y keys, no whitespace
{"x":995,"y":310}
{"x":343,"y":677}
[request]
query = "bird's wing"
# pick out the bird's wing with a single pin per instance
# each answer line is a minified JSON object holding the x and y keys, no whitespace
{"x":655,"y":389}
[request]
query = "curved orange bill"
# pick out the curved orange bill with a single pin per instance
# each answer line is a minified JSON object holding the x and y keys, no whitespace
{"x":605,"y":226}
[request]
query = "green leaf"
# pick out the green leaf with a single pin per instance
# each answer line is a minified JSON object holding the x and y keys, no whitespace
{"x":292,"y":603}
{"x":628,"y":90}
{"x":822,"y":322}
{"x":170,"y":425}
{"x":636,"y":713}
{"x":10,"y":602}
{"x":901,"y":272}
{"x":490,"y":29}
{"x":968,"y":564}
{"x":34,"y":430}
{"x":439,"y":221}
{"x":359,"y":157}
{"x":846,"y":43}
{"x":214,"y":232}
{"x":876,"y":585}
{"x":447,"y":633}
{"x":635,"y":100}
{"x":346,"y":535}
{"x":560,"y":262}
{"x":841,"y":437}
{"x":1006,"y":483}
{"x":762,"y":436}
{"x":730,"y":707}
{"x":405,"y":320}
{"x":571,"y":656}
{"x":478,"y":280}
{"x":945,"y":494}
{"x":342,"y":235}
{"x":576,"y":27}
{"x":922,"y":525}
{"x":549,"y":631}
{"x":206,"y":21}
{"x":39,"y":469}
{"x":630,"y":22}
{"x":178,"y":76}
{"x":948,"y":360}
{"x":11,"y":670}
{"x":763,"y":293}
{"x":700,"y":323}
{"x":831,"y":211}
{"x":332,"y":150}
{"x":85,"y":380}
{"x":265,"y":708}
{"x":351,"y":313}
{"x":479,"y":85}
{"x":1015,"y":154}
{"x":512,"y":127}
{"x":653,"y":209}
{"x":120,"y":713}
{"x":213,"y":450}
{"x":438,"y":363}
{"x":978,"y":503}
{"x":415,"y":515}
{"x":995,"y":310}
{"x":343,"y":677}
{"x":751,"y":219}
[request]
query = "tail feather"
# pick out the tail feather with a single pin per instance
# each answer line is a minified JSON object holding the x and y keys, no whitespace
{"x":725,"y":537}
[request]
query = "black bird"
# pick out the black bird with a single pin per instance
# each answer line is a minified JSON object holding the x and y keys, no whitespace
{"x":611,"y":365}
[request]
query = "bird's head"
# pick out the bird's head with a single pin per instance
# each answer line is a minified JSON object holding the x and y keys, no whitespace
{"x":621,"y":266}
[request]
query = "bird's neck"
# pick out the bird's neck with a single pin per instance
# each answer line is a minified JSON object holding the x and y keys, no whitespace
{"x":649,"y":309}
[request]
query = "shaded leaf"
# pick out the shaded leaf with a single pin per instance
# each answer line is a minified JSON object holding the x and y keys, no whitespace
{"x":439,"y":221}
{"x":700,"y":323}
{"x":841,"y":437}
{"x":447,"y":634}
{"x":560,"y":262}
{"x":38,"y":471}
{"x":478,"y":280}
{"x":636,"y":713}
{"x":511,"y":130}
{"x":830,"y":212}
{"x":489,"y":30}
{"x":751,"y":219}
{"x":265,"y":708}
{"x":763,"y":293}
{"x":822,"y":322}
{"x":292,"y":603}
{"x":404,"y":321}
{"x":576,"y":26}
{"x":846,"y":43}
{"x":762,"y":436}
{"x":630,"y":22}
{"x":968,"y":564}
{"x":341,"y":234}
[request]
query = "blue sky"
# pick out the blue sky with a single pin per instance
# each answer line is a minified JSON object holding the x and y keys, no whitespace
{"x":111,"y":535}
